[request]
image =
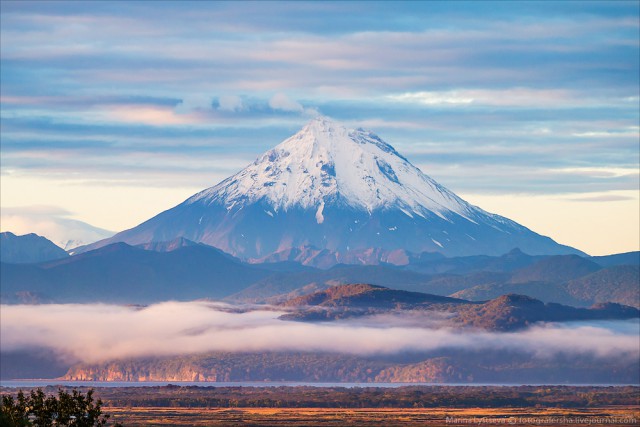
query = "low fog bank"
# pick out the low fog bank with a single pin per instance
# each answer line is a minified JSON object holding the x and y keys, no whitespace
{"x":98,"y":332}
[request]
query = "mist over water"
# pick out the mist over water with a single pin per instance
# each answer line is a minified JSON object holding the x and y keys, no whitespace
{"x":99,"y":332}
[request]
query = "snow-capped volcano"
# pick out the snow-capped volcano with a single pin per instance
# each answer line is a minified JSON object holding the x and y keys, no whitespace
{"x":331,"y":188}
{"x":327,"y":163}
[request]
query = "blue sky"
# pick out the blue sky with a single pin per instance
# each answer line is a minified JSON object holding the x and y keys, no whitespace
{"x":114,"y":111}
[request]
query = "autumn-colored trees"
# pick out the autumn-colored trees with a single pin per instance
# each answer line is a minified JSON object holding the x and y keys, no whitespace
{"x":65,"y":409}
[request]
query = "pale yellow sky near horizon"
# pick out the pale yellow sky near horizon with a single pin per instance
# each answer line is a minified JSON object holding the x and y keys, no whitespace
{"x":596,"y":223}
{"x":594,"y":227}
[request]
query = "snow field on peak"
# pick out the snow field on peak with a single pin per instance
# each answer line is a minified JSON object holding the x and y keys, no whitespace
{"x":325,"y":162}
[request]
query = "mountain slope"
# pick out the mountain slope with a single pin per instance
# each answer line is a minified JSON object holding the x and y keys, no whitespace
{"x":627,"y":258}
{"x":278,"y":287}
{"x":619,"y":284}
{"x":567,"y":280}
{"x":178,"y":242}
{"x":508,"y":262}
{"x":337,"y":189}
{"x":369,"y":296}
{"x":29,"y":248}
{"x":125,"y":274}
{"x":505,"y":313}
{"x":555,"y":269}
{"x":54,"y":225}
{"x":511,"y":311}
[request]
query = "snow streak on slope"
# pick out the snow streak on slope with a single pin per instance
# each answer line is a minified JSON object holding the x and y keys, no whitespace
{"x":325,"y":162}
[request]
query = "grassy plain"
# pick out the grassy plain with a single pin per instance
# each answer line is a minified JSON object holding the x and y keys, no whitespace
{"x":420,"y":405}
{"x":348,"y":417}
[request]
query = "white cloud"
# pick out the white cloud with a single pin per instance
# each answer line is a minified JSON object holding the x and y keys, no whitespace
{"x":433,"y":98}
{"x":230,"y":103}
{"x":171,"y":328}
{"x":600,"y":172}
{"x":282,"y":102}
{"x":194,"y":102}
{"x":510,"y":97}
{"x":626,"y":132}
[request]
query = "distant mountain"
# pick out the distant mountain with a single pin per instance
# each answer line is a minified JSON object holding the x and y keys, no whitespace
{"x":476,"y":278}
{"x":426,"y":262}
{"x":512,"y":260}
{"x":555,"y":269}
{"x":71,"y":233}
{"x":449,"y":284}
{"x":546,"y":292}
{"x":627,"y":258}
{"x":325,"y":258}
{"x":620,"y":283}
{"x":54,"y":225}
{"x":277,"y":288}
{"x":124,"y":274}
{"x":29,"y":248}
{"x":179,"y":242}
{"x":184,"y":270}
{"x":567,"y":280}
{"x":343,"y":191}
